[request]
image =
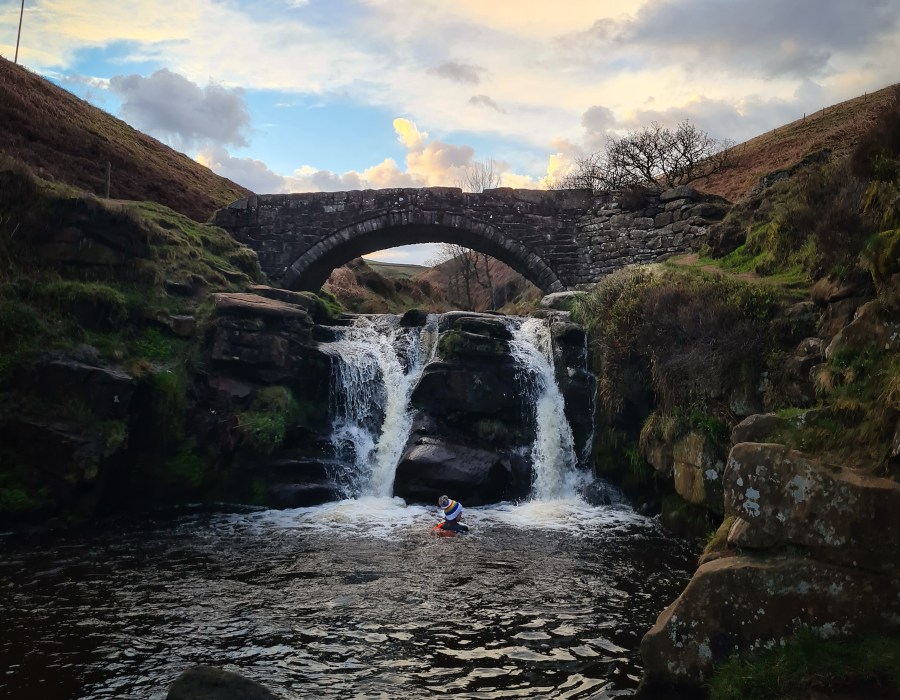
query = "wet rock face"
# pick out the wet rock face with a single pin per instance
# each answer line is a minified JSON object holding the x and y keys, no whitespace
{"x":470,"y":417}
{"x":474,"y":476}
{"x":572,"y":363}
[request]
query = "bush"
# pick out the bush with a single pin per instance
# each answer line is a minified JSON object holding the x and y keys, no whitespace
{"x":686,"y":337}
{"x":877,"y":154}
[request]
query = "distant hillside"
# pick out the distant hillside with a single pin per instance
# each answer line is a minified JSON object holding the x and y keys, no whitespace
{"x":509,"y":287}
{"x":63,"y":138}
{"x":396,"y":270}
{"x":837,"y":127}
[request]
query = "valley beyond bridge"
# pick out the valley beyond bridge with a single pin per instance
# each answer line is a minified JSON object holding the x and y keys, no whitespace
{"x":557,"y":239}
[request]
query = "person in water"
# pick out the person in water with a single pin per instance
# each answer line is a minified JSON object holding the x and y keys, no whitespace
{"x":452,"y":515}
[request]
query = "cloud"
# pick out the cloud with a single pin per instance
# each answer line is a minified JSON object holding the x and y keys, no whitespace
{"x":485,"y":101}
{"x":252,"y":174}
{"x":458,"y":72}
{"x":378,"y":53}
{"x":738,"y":120}
{"x":798,"y":39}
{"x":427,"y":164}
{"x":408,"y":134}
{"x":598,"y":119}
{"x":176,"y":110}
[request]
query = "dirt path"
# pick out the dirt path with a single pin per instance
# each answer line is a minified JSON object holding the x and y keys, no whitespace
{"x":691,"y":260}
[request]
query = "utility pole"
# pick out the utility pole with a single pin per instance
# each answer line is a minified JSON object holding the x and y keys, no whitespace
{"x":19,"y":35}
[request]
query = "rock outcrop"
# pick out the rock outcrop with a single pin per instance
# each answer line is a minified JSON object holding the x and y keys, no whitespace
{"x":812,"y":546}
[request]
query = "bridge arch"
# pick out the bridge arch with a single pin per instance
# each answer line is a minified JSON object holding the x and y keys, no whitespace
{"x":410,"y":226}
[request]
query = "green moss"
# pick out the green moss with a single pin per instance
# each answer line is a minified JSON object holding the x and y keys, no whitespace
{"x":491,"y":430}
{"x":716,"y":428}
{"x":809,"y":662}
{"x":15,"y":496}
{"x":332,"y":305}
{"x":718,"y":540}
{"x":168,"y":401}
{"x":186,"y":469}
{"x":152,"y":344}
{"x":273,"y":412}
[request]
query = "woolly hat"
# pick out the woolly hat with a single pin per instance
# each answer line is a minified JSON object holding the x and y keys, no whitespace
{"x":452,"y":509}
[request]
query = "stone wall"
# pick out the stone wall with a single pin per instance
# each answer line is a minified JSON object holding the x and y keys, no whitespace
{"x":611,"y":235}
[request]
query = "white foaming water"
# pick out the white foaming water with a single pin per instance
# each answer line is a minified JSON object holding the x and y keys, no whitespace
{"x":392,"y":518}
{"x":553,"y":451}
{"x":378,"y":365}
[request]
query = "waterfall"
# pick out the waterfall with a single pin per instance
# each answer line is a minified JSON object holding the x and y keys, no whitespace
{"x":376,"y":366}
{"x":553,"y":450}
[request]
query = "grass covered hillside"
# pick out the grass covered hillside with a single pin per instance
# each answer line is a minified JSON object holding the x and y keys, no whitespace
{"x":837,"y":127}
{"x":66,"y":140}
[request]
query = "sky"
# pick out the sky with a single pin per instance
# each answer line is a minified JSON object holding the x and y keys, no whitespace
{"x":313,"y":95}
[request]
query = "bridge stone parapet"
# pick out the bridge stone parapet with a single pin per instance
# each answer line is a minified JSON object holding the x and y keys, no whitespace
{"x":556,"y":238}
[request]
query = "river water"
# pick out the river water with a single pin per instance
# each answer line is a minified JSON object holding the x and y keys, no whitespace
{"x":354,"y":599}
{"x":547,"y":598}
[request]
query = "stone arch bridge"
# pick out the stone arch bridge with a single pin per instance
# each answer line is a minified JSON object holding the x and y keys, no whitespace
{"x":557,"y":239}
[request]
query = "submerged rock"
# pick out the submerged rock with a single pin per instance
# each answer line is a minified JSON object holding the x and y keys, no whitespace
{"x":208,"y":683}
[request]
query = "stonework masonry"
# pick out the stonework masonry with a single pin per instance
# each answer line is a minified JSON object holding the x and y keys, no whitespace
{"x":557,"y":239}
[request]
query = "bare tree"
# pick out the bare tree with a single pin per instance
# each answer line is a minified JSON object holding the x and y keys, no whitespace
{"x":463,"y":274}
{"x":480,"y":176}
{"x":487,"y":282}
{"x":654,"y":157}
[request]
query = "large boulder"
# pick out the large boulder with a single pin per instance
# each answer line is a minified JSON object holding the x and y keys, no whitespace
{"x":737,"y":605}
{"x":784,"y":497}
{"x":263,"y":340}
{"x":208,"y":683}
{"x":431,"y":467}
{"x":559,"y":301}
{"x":577,"y":383}
{"x":872,"y":326}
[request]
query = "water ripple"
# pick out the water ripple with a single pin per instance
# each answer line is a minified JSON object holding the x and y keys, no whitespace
{"x":353,"y":599}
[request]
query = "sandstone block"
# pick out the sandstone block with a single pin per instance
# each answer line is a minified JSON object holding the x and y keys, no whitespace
{"x":837,"y":513}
